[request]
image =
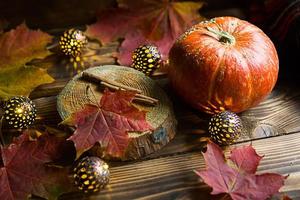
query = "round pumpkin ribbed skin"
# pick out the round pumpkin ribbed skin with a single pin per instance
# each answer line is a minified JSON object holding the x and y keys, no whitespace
{"x":213,"y":75}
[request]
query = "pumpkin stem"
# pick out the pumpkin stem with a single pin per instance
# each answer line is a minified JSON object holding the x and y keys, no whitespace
{"x":223,"y":36}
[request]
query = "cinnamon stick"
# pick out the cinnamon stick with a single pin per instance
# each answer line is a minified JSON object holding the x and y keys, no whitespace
{"x":118,"y":86}
{"x":145,"y":101}
{"x":113,"y":87}
{"x":112,"y":82}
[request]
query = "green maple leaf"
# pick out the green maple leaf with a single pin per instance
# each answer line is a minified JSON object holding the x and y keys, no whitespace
{"x":18,"y":47}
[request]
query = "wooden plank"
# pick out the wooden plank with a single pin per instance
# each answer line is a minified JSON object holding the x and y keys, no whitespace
{"x":95,"y":54}
{"x":48,"y":90}
{"x":167,"y":174}
{"x":278,"y":115}
{"x":60,"y":68}
{"x":172,"y":177}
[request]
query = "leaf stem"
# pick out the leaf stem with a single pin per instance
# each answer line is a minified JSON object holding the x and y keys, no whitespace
{"x":88,"y":87}
{"x":52,"y":46}
{"x":225,"y":197}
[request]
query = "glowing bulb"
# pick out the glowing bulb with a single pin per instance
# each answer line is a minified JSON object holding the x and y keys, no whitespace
{"x":19,"y":110}
{"x":105,"y":166}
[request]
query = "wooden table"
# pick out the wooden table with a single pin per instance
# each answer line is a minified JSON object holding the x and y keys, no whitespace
{"x":273,"y":128}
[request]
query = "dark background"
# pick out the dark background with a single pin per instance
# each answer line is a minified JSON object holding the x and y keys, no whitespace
{"x":54,"y":16}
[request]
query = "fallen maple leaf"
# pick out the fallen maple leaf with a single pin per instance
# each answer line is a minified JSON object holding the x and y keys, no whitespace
{"x":144,"y":22}
{"x":108,"y":123}
{"x":18,"y":47}
{"x":238,"y":179}
{"x":25,"y":168}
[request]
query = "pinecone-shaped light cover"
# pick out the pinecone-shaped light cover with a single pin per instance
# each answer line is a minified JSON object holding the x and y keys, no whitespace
{"x":72,"y":42}
{"x":19,"y":112}
{"x":146,"y":58}
{"x":91,"y":174}
{"x":225,"y":127}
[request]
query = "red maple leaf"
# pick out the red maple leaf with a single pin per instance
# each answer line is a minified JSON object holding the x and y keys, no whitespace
{"x":148,"y":21}
{"x":238,"y":178}
{"x":108,"y":123}
{"x":25,"y":168}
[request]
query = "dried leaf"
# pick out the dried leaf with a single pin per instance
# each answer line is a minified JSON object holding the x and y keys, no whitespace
{"x":25,"y":169}
{"x":108,"y":124}
{"x":150,"y":21}
{"x":21,"y":80}
{"x":238,"y":179}
{"x":18,"y":47}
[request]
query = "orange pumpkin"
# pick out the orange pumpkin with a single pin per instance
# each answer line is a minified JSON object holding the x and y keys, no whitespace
{"x":223,"y":64}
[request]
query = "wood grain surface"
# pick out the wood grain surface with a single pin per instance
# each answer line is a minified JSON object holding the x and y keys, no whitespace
{"x":79,"y":92}
{"x":273,"y":127}
{"x":172,"y":177}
